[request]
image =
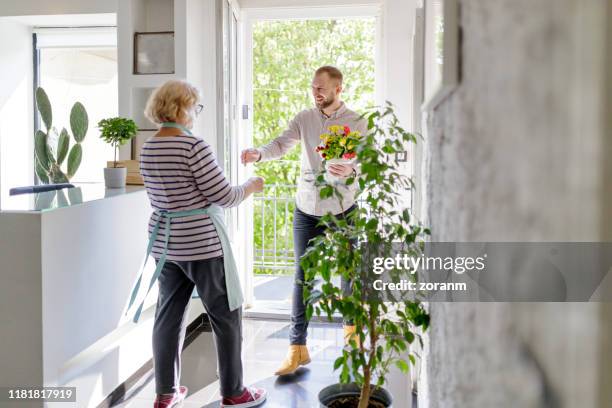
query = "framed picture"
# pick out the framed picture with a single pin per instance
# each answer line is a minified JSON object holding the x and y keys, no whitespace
{"x":442,"y":38}
{"x":154,"y":53}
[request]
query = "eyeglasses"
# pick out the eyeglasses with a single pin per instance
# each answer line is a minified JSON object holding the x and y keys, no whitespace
{"x":199,"y":108}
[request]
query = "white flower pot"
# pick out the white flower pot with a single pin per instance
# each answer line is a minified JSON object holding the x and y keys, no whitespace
{"x":330,"y":178}
{"x":114,"y":177}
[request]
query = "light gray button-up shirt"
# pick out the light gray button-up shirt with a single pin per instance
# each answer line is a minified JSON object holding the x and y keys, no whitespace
{"x":307,"y":127}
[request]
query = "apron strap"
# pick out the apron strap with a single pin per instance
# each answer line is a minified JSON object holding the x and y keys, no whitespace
{"x":152,"y":239}
{"x":158,"y":269}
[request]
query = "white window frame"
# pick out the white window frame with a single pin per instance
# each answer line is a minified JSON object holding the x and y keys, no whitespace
{"x":68,"y":37}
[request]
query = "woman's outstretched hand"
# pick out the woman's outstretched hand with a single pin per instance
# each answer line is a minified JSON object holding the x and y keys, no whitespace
{"x":255,"y":185}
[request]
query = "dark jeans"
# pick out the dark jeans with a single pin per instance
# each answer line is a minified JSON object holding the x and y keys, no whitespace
{"x":304,"y":229}
{"x":176,"y":283}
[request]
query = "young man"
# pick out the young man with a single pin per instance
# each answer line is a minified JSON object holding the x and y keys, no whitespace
{"x":306,"y":128}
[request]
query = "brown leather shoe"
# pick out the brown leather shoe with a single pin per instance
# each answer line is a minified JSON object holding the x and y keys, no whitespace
{"x":296,"y":356}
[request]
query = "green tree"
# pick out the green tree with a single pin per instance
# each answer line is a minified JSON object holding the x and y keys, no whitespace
{"x":285,"y":56}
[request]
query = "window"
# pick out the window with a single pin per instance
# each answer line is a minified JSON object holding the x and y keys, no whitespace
{"x":80,"y":65}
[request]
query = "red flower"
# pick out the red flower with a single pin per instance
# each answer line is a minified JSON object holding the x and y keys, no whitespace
{"x":348,"y":156}
{"x":323,"y":155}
{"x":347,"y":130}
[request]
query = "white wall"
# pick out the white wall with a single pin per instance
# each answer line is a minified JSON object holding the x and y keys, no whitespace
{"x":398,"y":25}
{"x":201,"y":67}
{"x":16,"y":107}
{"x":519,"y":152}
{"x":20,"y":236}
{"x":46,"y":7}
{"x":195,"y":34}
{"x":394,"y":74}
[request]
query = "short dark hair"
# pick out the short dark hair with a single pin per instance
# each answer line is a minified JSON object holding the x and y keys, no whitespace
{"x":332,"y":72}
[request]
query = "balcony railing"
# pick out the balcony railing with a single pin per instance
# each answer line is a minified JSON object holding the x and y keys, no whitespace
{"x":273,"y":229}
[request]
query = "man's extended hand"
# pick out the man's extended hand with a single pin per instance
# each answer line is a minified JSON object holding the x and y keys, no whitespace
{"x":250,"y":156}
{"x":340,"y":170}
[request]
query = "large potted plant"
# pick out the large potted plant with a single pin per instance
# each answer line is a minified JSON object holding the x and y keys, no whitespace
{"x":385,"y":327}
{"x":117,"y":132}
{"x":52,"y":148}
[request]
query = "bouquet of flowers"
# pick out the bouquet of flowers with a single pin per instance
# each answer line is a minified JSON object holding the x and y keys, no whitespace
{"x":339,"y":144}
{"x":338,"y":147}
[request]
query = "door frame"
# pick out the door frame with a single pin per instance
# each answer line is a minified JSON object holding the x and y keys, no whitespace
{"x":249,"y":17}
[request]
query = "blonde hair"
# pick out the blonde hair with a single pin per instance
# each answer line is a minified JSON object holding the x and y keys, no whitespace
{"x":171,"y":102}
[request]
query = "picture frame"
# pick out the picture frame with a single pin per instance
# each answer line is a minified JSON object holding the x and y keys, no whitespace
{"x":153,"y":53}
{"x":441,"y":54}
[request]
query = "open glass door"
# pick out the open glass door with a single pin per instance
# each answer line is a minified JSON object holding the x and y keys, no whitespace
{"x":282,"y":49}
{"x":230,"y":141}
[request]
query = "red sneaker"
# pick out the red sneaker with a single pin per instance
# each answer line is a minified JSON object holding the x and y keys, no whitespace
{"x":170,"y":401}
{"x":251,"y":397}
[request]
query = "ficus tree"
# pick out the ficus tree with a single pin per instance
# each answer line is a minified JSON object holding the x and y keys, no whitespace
{"x":385,"y":325}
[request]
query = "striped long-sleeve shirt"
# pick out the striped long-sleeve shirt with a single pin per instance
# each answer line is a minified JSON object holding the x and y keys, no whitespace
{"x":181,"y":173}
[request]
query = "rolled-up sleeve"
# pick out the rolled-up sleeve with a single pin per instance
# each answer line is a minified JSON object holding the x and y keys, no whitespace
{"x":210,"y":179}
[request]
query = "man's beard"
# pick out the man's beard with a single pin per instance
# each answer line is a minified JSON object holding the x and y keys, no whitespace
{"x":328,"y":101}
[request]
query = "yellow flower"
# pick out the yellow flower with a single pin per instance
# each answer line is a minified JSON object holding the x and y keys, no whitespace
{"x":323,"y":136}
{"x":342,"y":142}
{"x":334,"y":128}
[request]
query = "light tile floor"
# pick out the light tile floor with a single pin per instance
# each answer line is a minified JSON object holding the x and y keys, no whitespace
{"x":265,"y":346}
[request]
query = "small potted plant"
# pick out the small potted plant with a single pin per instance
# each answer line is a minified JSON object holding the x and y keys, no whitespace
{"x":338,"y":147}
{"x":385,"y":327}
{"x":117,"y":132}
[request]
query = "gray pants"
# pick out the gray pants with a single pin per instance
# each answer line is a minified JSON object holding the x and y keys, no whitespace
{"x":176,"y":283}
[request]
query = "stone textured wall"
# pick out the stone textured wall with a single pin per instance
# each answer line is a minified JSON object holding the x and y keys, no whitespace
{"x":521,"y":151}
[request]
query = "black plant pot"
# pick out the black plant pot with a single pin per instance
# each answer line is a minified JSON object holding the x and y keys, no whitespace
{"x":344,"y":392}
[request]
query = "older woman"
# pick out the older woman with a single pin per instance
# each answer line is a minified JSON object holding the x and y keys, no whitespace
{"x":187,"y":190}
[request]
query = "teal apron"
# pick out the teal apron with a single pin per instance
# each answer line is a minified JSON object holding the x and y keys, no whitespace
{"x":232,"y":282}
